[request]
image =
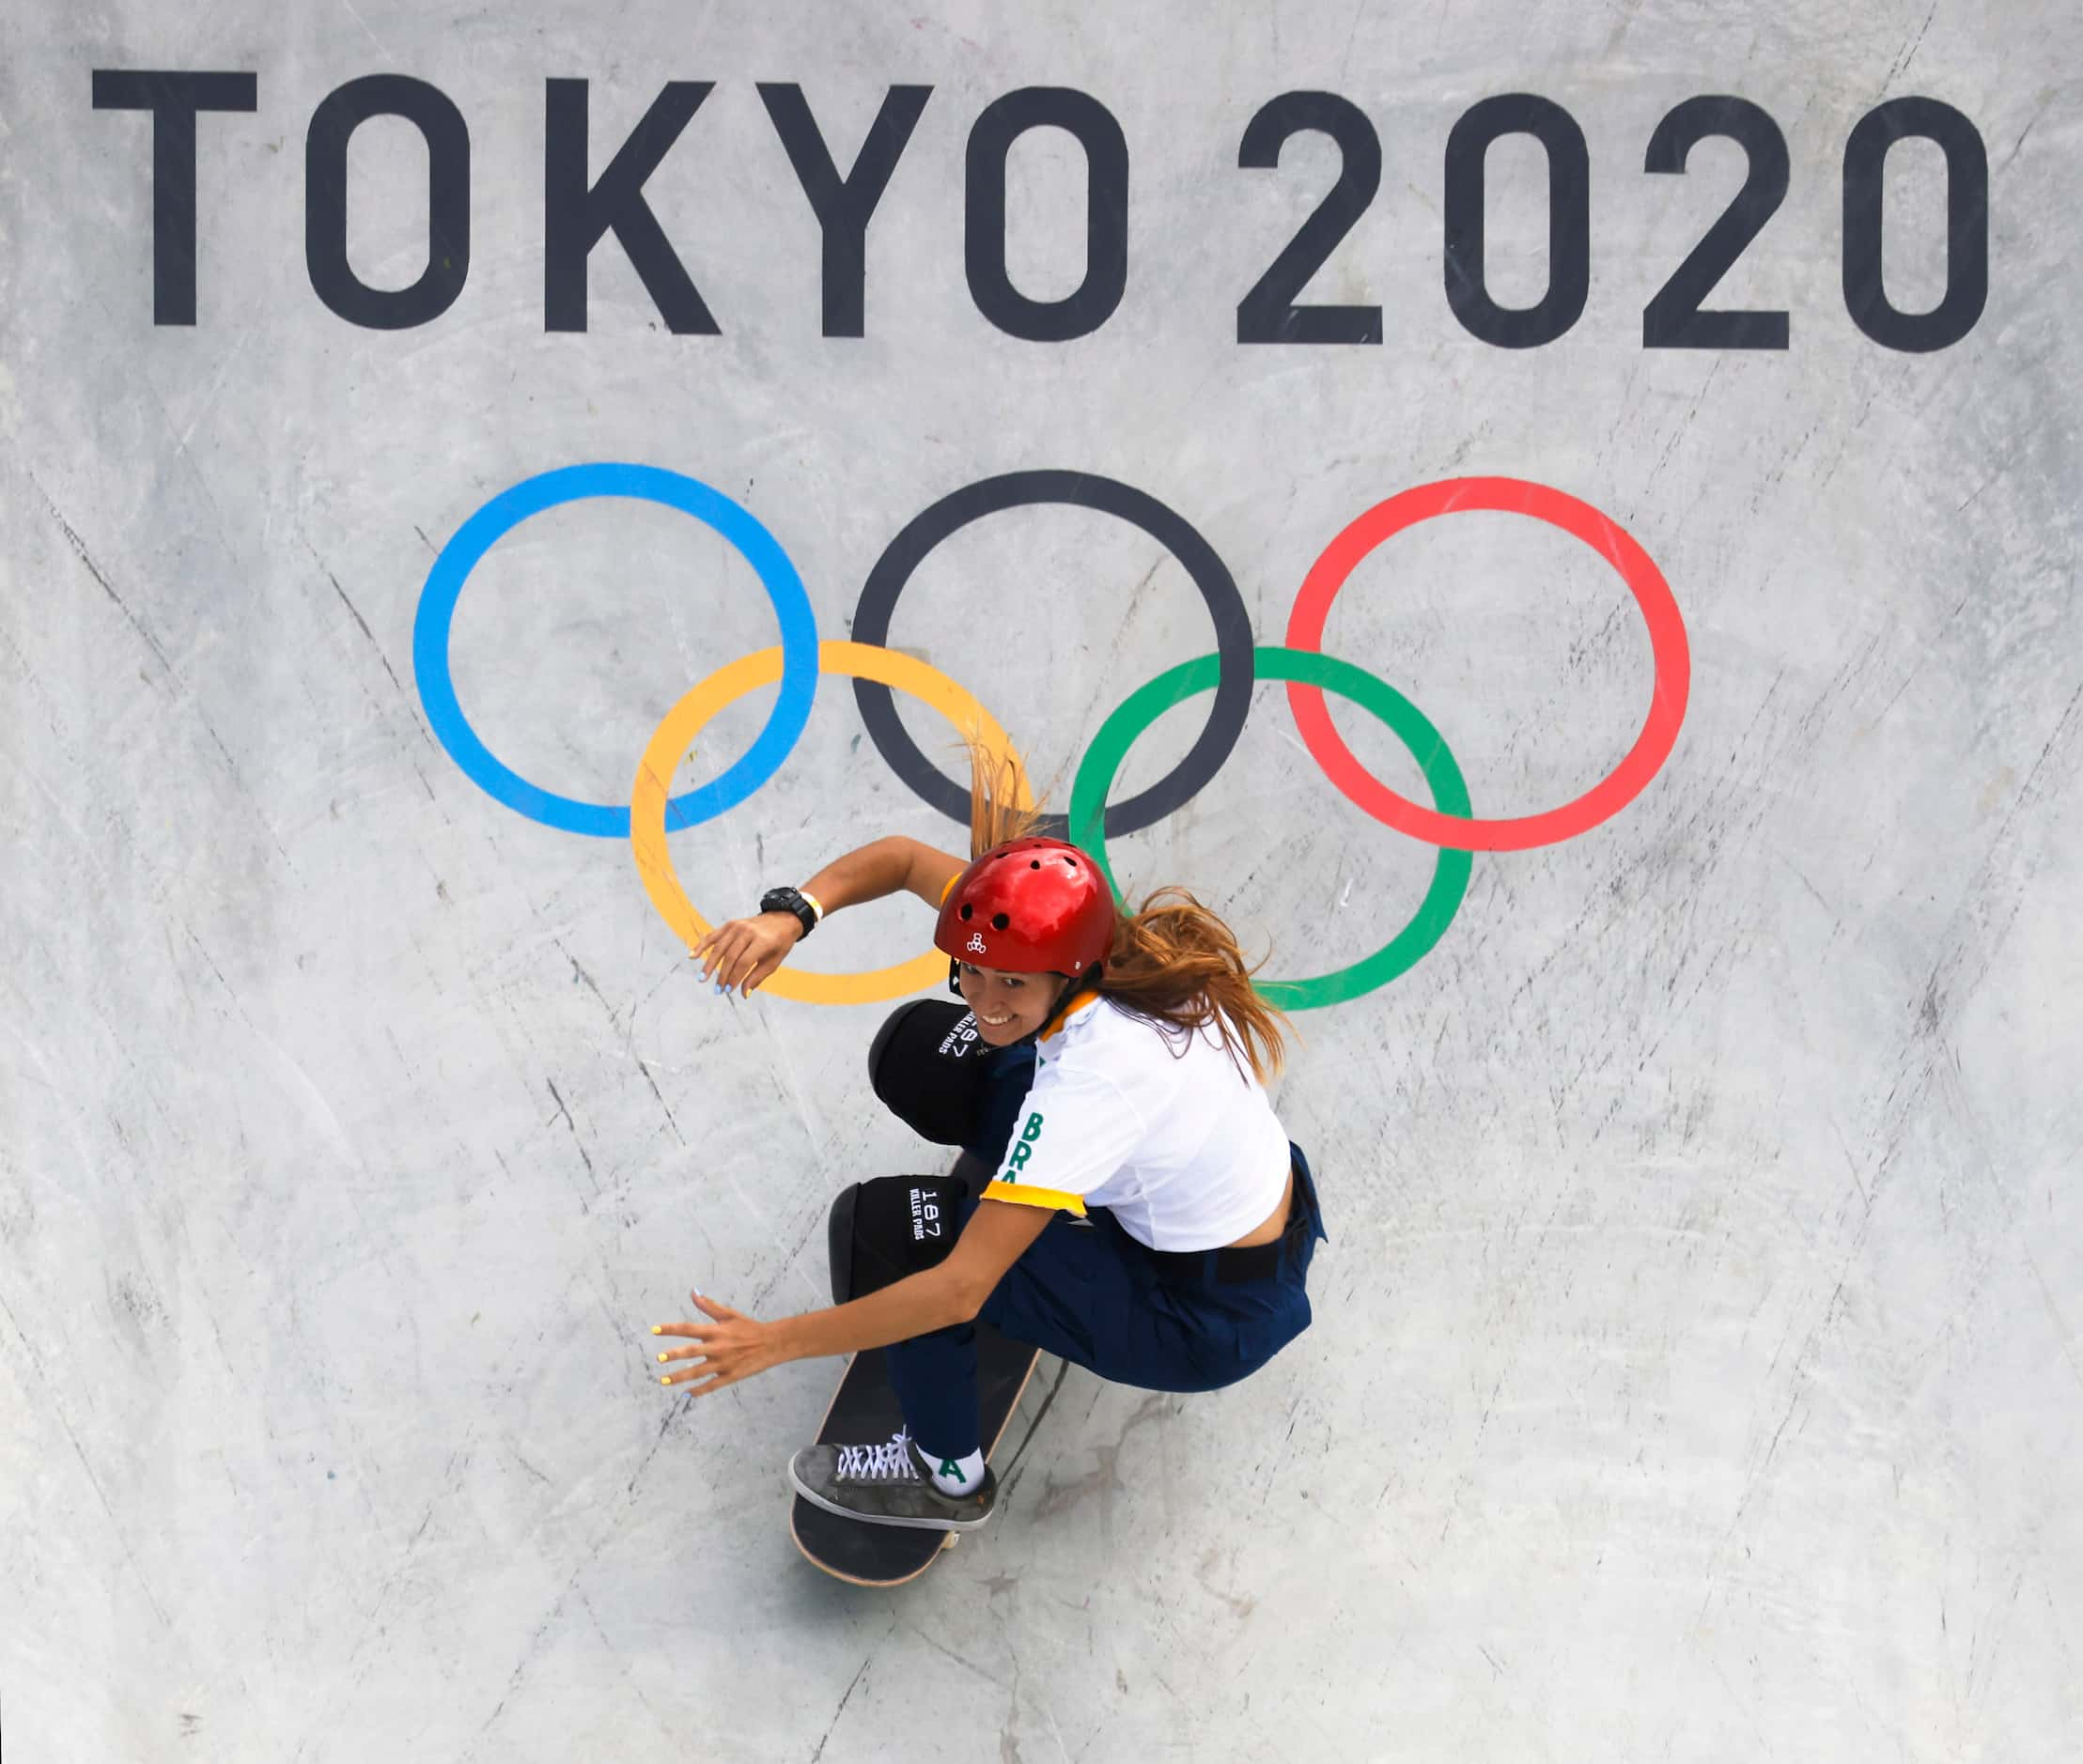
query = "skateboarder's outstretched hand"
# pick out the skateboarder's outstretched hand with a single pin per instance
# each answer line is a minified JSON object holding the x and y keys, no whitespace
{"x":741,"y":952}
{"x":731,"y":1347}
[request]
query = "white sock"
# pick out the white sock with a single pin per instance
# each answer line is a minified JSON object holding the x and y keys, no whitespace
{"x":954,"y":1476}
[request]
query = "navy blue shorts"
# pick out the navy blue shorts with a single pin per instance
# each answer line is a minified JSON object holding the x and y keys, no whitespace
{"x":1089,"y":1293}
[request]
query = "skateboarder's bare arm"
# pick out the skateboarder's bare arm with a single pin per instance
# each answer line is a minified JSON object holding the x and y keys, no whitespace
{"x":741,"y":952}
{"x":734,"y":1346}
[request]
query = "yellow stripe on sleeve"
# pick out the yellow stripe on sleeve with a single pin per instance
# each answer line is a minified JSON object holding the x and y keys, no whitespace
{"x":950,"y":887}
{"x":1056,"y":1200}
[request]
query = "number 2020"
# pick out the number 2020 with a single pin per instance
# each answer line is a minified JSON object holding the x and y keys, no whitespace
{"x":1674,"y":318}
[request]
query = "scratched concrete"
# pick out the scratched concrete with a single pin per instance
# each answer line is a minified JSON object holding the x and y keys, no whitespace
{"x":1696,"y":1369}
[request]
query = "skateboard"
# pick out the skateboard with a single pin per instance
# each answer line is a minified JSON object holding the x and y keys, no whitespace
{"x":864,"y":1410}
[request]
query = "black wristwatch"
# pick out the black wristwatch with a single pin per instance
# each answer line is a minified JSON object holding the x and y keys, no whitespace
{"x":790,"y":901}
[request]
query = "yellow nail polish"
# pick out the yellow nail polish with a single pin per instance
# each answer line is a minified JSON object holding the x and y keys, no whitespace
{"x":662,"y":1359}
{"x":665,"y":1381}
{"x":657,"y":1330}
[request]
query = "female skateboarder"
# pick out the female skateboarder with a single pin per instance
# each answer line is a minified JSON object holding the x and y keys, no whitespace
{"x":1148,"y":1219}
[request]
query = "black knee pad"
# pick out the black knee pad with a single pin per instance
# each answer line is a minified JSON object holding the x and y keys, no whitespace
{"x":880,"y":1232}
{"x":927,"y":1063}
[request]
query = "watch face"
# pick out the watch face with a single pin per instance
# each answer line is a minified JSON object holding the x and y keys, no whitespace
{"x":787,"y":901}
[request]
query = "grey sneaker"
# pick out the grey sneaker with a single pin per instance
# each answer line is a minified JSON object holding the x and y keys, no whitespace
{"x":887,"y":1485}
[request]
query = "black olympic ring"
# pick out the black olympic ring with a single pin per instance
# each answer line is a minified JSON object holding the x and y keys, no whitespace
{"x":1237,"y":666}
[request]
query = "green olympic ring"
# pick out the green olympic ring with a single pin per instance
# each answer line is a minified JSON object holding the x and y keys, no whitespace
{"x":1090,"y":789}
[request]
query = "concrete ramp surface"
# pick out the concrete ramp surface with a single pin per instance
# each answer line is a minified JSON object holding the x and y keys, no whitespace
{"x":1558,"y":523}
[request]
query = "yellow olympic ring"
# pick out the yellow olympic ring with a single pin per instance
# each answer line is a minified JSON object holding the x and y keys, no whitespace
{"x":675,"y":738}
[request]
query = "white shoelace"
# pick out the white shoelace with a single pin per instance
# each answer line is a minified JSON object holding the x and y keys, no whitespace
{"x":890,"y":1462}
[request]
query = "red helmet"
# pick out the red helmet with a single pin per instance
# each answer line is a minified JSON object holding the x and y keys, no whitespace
{"x":1029,"y":907}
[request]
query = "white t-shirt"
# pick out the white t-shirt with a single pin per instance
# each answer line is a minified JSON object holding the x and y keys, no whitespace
{"x":1164,"y":1129}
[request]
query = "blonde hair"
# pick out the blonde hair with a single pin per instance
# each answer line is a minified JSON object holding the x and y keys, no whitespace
{"x":1000,"y":806}
{"x":1173,"y":962}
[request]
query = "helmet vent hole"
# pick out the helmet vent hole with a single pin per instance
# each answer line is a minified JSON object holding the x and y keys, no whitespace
{"x":1035,"y":865}
{"x":998,"y":921}
{"x":966,"y":909}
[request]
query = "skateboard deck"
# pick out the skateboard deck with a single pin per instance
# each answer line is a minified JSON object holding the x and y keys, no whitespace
{"x":864,"y":1411}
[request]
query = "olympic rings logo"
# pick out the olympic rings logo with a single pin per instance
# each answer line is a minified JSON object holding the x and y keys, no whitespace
{"x":1229,"y":673}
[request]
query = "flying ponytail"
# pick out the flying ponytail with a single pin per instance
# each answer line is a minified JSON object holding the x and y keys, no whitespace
{"x":1175,"y":962}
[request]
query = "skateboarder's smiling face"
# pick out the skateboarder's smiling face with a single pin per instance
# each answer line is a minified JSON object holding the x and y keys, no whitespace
{"x":1008,"y":1005}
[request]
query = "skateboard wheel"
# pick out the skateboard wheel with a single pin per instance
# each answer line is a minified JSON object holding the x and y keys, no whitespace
{"x":952,"y":1538}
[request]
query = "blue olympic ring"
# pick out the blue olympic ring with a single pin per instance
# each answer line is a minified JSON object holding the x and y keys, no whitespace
{"x":649,"y":484}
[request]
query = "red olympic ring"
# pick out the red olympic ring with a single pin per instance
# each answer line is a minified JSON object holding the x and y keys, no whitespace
{"x":1511,"y":496}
